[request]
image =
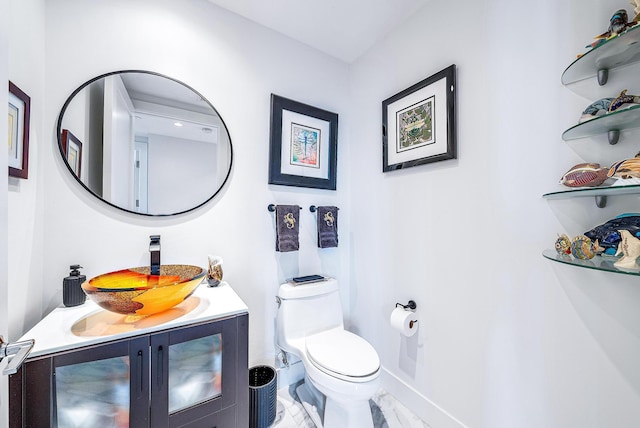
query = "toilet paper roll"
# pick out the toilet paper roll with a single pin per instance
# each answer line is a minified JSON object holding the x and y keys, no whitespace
{"x":404,"y":321}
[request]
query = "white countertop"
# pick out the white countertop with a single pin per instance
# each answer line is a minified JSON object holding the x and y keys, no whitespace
{"x":88,"y":324}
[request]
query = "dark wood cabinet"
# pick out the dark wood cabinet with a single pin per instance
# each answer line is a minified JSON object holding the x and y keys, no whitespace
{"x":194,"y":375}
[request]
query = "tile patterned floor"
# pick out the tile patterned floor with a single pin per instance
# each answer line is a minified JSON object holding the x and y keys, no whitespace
{"x":387,"y":412}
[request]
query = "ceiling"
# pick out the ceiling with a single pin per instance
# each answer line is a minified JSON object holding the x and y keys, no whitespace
{"x":344,"y":29}
{"x":169,"y":108}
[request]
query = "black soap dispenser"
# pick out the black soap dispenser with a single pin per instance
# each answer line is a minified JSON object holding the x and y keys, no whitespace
{"x":72,"y":294}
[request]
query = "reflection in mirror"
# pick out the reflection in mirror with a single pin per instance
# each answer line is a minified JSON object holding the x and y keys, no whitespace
{"x":145,"y":143}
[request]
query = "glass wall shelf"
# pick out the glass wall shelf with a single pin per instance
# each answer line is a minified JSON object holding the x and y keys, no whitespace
{"x":603,"y":263}
{"x":618,"y":120}
{"x":593,"y":191}
{"x":617,"y":52}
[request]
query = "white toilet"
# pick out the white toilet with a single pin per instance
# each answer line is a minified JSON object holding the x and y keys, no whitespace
{"x":339,"y":364}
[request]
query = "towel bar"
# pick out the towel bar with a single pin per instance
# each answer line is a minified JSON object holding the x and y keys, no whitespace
{"x":313,"y":208}
{"x":272,"y":207}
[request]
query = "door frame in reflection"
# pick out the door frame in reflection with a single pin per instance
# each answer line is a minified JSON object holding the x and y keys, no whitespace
{"x":141,"y":175}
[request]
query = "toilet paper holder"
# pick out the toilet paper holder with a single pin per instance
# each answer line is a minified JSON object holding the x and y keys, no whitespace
{"x":411,"y":305}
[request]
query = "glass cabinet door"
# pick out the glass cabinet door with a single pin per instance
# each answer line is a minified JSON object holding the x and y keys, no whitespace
{"x":193,"y":372}
{"x":100,"y":386}
{"x":95,"y":393}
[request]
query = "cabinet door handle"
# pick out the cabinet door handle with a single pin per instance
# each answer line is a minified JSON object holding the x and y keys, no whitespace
{"x":140,"y":380}
{"x":160,"y":365}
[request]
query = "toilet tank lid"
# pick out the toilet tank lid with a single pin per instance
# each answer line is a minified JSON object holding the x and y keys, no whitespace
{"x":289,"y":290}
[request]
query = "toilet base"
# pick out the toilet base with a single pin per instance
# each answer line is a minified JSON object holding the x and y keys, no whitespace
{"x":313,"y":406}
{"x":352,"y":415}
{"x":326,"y":412}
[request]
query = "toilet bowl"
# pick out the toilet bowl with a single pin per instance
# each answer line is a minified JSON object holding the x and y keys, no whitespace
{"x":339,"y":364}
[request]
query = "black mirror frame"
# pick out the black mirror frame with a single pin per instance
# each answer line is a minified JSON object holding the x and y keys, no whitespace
{"x":63,"y":155}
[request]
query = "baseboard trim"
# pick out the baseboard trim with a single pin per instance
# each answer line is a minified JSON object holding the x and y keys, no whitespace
{"x":420,"y":405}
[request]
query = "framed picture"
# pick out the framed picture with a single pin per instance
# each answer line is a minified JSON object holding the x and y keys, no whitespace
{"x":419,"y":123}
{"x":19,"y":112}
{"x":72,"y":148}
{"x":304,"y":143}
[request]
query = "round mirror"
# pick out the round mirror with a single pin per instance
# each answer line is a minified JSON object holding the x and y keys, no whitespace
{"x":144,"y":143}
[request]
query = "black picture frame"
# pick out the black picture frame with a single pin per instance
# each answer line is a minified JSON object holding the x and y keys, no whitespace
{"x":419,"y":123}
{"x":303,"y":145}
{"x":72,"y":148}
{"x":18,"y":139}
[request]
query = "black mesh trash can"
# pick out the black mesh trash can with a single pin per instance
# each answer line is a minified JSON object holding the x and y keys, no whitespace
{"x":263,"y":396}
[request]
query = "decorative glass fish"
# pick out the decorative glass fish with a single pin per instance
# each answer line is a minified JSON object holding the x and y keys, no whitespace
{"x":585,"y":175}
{"x":623,"y":100}
{"x":636,"y":9}
{"x":563,"y":245}
{"x":582,"y":248}
{"x":629,"y":247}
{"x":595,"y":109}
{"x":609,"y":105}
{"x":627,"y":168}
{"x":618,"y":24}
{"x":608,"y":233}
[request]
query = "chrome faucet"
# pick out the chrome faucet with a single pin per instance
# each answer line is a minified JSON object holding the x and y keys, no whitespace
{"x":154,"y":249}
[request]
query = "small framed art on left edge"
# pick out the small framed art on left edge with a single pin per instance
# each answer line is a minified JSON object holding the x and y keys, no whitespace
{"x":19,"y":112}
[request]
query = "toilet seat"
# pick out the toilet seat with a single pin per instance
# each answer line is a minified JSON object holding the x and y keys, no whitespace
{"x":343,"y":355}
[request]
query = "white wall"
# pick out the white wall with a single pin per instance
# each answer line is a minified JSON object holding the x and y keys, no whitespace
{"x":236,"y":65}
{"x":188,"y":158}
{"x":25,"y":234}
{"x":4,"y":289}
{"x":506,"y":338}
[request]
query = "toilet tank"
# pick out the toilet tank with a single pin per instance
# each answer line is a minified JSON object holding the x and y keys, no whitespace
{"x":307,"y":309}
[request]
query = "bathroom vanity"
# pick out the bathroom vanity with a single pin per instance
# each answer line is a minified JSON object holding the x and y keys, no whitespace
{"x":184,"y":367}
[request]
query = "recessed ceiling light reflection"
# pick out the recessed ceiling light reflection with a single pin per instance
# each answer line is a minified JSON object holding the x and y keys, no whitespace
{"x":178,"y":124}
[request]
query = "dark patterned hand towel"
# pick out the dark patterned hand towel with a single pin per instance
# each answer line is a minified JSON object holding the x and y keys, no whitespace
{"x":327,"y":226}
{"x":287,"y":227}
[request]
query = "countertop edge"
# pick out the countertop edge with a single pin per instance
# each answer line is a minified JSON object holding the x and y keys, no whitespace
{"x":51,"y":337}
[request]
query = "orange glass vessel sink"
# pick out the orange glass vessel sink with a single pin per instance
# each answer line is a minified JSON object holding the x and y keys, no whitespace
{"x":136,"y":292}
